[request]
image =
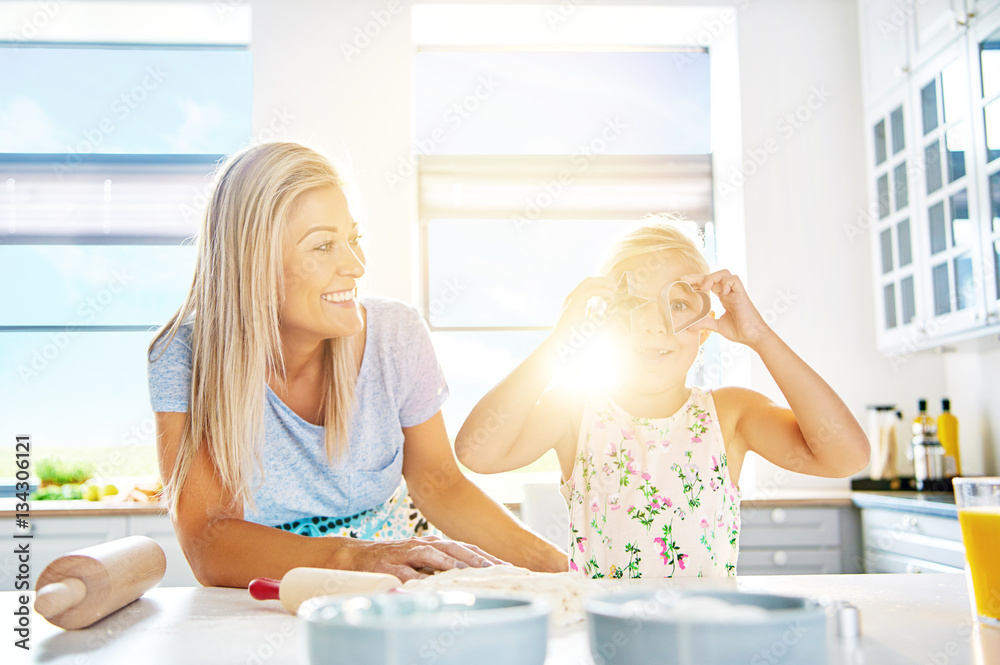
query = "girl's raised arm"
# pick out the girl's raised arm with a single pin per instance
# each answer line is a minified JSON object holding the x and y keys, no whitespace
{"x":518,"y":421}
{"x":818,"y":435}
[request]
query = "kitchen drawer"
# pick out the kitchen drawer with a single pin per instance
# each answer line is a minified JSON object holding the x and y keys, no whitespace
{"x":879,"y":561}
{"x":789,"y":562}
{"x":790,"y":527}
{"x":937,"y":540}
{"x":924,"y":525}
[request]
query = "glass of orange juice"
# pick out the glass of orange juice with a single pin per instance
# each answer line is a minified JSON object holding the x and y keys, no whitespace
{"x":978,"y":501}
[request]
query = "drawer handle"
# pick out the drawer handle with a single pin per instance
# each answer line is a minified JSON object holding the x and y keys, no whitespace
{"x":780,"y":558}
{"x":910,"y":522}
{"x":778,"y":516}
{"x":913,"y":568}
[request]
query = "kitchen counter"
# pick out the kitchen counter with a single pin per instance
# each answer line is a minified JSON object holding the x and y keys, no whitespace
{"x":80,"y":508}
{"x":906,"y":620}
{"x":941,"y":504}
{"x":930,"y":503}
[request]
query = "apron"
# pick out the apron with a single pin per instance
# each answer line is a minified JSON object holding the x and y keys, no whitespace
{"x":396,"y":519}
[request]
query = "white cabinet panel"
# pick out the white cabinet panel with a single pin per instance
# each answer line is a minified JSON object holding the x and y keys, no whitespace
{"x":52,"y":538}
{"x":884,"y":44}
{"x":159,"y":528}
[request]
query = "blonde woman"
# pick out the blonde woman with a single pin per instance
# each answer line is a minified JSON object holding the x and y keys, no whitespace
{"x":287,"y":408}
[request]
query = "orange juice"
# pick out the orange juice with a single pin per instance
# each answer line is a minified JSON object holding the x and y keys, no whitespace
{"x":981,"y":536}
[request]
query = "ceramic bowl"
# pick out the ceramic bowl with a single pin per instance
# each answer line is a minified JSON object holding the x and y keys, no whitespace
{"x":448,"y":628}
{"x":705,"y":628}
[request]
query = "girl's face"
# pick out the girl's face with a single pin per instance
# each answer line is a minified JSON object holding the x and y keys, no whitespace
{"x":652,"y":358}
{"x":322,"y":264}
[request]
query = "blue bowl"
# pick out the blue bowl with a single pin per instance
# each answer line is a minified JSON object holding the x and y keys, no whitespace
{"x":651,"y":627}
{"x":454,"y":627}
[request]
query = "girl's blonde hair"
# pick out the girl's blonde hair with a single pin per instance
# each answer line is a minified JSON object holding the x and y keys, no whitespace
{"x":234,"y":308}
{"x":662,"y":232}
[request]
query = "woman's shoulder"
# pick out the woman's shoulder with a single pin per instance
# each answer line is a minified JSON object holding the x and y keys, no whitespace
{"x":171,"y":344}
{"x":393,"y":318}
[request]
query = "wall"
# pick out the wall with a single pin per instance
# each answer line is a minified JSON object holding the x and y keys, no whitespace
{"x":973,"y":385}
{"x":800,"y":202}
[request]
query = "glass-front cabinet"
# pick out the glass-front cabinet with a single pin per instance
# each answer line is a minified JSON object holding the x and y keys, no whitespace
{"x":986,"y":116}
{"x":893,"y":169}
{"x":953,"y":299}
{"x":934,"y":177}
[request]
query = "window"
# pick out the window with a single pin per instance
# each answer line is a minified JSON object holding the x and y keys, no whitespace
{"x":106,"y":152}
{"x":530,"y":162}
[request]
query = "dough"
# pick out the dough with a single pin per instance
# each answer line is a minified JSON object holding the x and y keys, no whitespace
{"x":564,"y":592}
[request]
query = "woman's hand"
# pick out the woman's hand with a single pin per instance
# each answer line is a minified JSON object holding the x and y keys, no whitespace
{"x":741,"y":322}
{"x":408,"y":559}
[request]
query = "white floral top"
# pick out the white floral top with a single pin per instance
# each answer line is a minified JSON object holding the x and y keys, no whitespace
{"x":652,"y":497}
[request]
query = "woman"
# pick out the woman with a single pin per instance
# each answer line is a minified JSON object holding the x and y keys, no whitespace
{"x":285,"y":408}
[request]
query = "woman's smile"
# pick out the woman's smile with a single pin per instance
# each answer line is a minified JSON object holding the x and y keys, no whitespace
{"x":340,"y":298}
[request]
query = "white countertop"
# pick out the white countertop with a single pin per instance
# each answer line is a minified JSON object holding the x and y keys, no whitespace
{"x":906,"y":619}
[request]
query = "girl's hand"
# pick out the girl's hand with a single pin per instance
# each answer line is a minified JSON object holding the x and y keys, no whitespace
{"x":574,"y":309}
{"x":413,"y":558}
{"x":741,"y":322}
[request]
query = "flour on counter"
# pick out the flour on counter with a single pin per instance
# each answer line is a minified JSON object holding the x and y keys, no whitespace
{"x":564,"y":592}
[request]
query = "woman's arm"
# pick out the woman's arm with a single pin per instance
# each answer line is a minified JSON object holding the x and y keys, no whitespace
{"x":223,"y":549}
{"x":818,"y":435}
{"x":515,"y":423}
{"x":460,"y":509}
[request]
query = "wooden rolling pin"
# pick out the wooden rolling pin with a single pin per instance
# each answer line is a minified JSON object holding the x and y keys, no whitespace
{"x":83,"y":587}
{"x":300,"y":584}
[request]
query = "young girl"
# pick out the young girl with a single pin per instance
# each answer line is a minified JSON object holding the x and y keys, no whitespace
{"x":651,"y":466}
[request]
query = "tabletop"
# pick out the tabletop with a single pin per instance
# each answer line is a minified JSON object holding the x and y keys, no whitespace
{"x":906,"y":619}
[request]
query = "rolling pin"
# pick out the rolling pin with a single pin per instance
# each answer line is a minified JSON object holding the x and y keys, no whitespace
{"x":300,"y":584}
{"x":83,"y":587}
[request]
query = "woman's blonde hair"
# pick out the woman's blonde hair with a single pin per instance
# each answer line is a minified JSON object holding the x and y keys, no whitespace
{"x":234,"y":308}
{"x":662,"y":232}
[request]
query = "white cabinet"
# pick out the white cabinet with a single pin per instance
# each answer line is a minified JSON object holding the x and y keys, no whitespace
{"x":984,"y":47}
{"x":885,"y":46}
{"x":895,"y":169}
{"x":159,"y":528}
{"x":903,"y":542}
{"x":53,"y":537}
{"x":799,"y":541}
{"x":933,"y":24}
{"x":934,"y":177}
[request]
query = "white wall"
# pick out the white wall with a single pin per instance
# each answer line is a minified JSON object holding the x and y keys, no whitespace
{"x":802,"y":203}
{"x":798,"y":204}
{"x":973,"y":385}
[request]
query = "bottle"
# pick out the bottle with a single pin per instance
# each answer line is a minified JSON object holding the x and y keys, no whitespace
{"x":928,"y":454}
{"x":924,"y":426}
{"x":947,"y":431}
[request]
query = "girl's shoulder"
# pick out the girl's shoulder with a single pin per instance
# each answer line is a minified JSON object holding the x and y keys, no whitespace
{"x":731,"y":402}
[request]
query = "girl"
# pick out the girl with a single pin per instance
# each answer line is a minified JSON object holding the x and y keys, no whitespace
{"x":287,"y":407}
{"x":651,"y":466}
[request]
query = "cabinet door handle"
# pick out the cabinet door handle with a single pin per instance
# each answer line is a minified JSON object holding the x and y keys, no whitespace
{"x":778,"y":516}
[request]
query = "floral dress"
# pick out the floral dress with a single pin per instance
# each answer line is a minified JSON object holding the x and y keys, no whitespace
{"x":652,"y":497}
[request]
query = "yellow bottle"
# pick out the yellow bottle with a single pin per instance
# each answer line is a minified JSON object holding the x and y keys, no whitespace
{"x":947,"y":426}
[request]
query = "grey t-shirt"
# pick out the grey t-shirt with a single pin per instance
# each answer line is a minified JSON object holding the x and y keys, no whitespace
{"x":400,"y":385}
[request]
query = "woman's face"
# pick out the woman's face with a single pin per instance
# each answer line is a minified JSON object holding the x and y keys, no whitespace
{"x":322,"y":263}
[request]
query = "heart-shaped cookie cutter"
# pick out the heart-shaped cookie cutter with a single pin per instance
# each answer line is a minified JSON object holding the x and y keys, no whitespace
{"x":672,"y":295}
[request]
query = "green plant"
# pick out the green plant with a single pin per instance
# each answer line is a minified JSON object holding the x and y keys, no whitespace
{"x":56,"y":471}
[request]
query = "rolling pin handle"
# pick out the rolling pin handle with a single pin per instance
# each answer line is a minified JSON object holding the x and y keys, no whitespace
{"x":54,"y":599}
{"x":264,"y":588}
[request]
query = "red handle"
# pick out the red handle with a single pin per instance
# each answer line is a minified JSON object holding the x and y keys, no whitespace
{"x":264,"y":588}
